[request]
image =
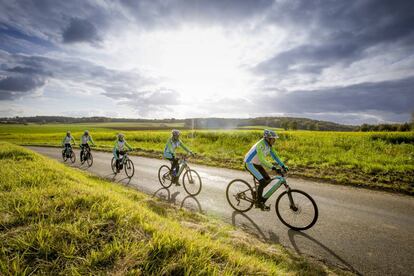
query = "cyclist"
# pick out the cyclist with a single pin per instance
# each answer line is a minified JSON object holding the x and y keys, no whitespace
{"x":119,"y":148}
{"x":84,"y":143}
{"x":169,"y":152}
{"x":255,"y":161}
{"x":66,"y":142}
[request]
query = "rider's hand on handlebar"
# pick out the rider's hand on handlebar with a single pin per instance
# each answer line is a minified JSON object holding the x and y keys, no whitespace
{"x":285,"y":168}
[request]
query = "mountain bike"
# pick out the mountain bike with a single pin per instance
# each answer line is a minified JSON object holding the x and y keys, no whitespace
{"x":87,"y":156}
{"x":295,"y":208}
{"x":124,"y":162}
{"x":68,"y":153}
{"x":191,"y":179}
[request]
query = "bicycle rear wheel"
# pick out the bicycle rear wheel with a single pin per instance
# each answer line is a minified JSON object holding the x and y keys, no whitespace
{"x":240,"y":195}
{"x":64,"y":157}
{"x":129,"y":168}
{"x":164,"y":176}
{"x":302,"y":215}
{"x":113,"y":165}
{"x":192,"y":182}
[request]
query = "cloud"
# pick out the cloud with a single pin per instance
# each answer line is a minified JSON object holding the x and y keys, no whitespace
{"x":13,"y":87}
{"x":338,"y":33}
{"x":80,"y":30}
{"x":392,"y":97}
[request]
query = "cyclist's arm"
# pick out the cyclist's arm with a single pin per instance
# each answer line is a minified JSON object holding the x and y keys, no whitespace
{"x":73,"y":139}
{"x":63,"y":141}
{"x":262,"y":158}
{"x":127,"y":145}
{"x":184,"y":147}
{"x":276,"y":157}
{"x":115,"y":145}
{"x":90,"y":139}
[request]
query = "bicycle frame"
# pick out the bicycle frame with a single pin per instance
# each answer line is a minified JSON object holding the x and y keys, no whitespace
{"x":275,"y":186}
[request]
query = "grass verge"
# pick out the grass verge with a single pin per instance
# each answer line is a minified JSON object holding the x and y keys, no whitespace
{"x":55,"y":219}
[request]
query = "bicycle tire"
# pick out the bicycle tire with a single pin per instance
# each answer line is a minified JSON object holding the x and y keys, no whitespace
{"x":188,"y":175}
{"x":162,"y":171}
{"x":128,"y":165}
{"x":242,"y":187}
{"x":89,"y":159}
{"x":297,"y":210}
{"x":113,"y":165}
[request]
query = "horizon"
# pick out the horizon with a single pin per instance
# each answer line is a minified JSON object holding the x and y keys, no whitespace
{"x":348,"y":63}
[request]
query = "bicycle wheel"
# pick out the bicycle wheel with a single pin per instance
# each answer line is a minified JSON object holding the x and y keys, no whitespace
{"x":240,"y":195}
{"x":164,"y":176}
{"x":64,"y":157}
{"x":301,"y":215}
{"x":89,"y":159}
{"x":192,"y":182}
{"x":113,"y":165}
{"x":72,"y":156}
{"x":129,"y":168}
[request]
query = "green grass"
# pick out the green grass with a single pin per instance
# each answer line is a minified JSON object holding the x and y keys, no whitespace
{"x":60,"y":220}
{"x":367,"y":159}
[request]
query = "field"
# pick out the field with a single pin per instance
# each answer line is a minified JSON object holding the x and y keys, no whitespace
{"x":367,"y":159}
{"x":60,"y":220}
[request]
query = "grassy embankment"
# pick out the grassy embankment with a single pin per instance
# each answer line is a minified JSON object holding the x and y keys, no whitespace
{"x":55,"y":219}
{"x":375,"y":160}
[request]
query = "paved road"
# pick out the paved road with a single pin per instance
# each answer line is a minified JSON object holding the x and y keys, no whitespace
{"x":368,"y":232}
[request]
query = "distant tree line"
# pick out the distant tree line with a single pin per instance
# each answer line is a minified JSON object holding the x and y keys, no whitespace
{"x":386,"y":127}
{"x":287,"y":123}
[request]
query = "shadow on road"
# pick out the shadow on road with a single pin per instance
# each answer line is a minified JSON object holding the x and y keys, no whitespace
{"x":293,"y":233}
{"x":191,"y":205}
{"x":165,"y":194}
{"x":255,"y":230}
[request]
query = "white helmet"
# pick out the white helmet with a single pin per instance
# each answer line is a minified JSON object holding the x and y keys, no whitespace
{"x":268,"y":133}
{"x":121,"y":136}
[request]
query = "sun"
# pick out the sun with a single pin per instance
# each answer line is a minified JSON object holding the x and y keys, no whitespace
{"x":201,"y":62}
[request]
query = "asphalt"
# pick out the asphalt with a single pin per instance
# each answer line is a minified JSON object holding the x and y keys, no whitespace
{"x":364,"y":231}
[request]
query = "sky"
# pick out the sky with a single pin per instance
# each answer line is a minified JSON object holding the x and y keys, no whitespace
{"x":350,"y":62}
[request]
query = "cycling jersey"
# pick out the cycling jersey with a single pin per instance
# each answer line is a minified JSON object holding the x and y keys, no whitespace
{"x":85,"y":139}
{"x":119,"y":145}
{"x":169,"y":151}
{"x":257,"y":154}
{"x":67,"y":140}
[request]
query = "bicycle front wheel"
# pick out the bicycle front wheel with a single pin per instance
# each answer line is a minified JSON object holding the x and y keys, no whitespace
{"x":240,"y":195}
{"x":164,"y":176}
{"x":299,"y":212}
{"x":64,"y":157}
{"x":72,"y":157}
{"x":89,"y":159}
{"x":192,"y":182}
{"x":129,"y":168}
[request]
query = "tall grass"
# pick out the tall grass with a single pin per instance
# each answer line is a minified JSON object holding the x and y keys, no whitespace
{"x":379,"y":160}
{"x":58,"y":220}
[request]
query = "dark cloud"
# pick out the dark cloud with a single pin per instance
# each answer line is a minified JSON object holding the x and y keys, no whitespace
{"x":80,"y":30}
{"x":338,"y":32}
{"x":167,"y":14}
{"x":14,"y":87}
{"x":396,"y":96}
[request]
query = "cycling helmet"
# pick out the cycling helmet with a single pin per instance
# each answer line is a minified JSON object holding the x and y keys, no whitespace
{"x":86,"y":132}
{"x":268,"y":133}
{"x":68,"y":132}
{"x":121,"y":136}
{"x":175,"y":132}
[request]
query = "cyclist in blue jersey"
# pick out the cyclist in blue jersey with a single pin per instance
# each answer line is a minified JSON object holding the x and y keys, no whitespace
{"x":255,"y":162}
{"x":169,"y":152}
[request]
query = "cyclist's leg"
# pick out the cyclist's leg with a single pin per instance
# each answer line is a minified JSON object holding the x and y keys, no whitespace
{"x":116,"y":156}
{"x":81,"y":152}
{"x":263,"y":183}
